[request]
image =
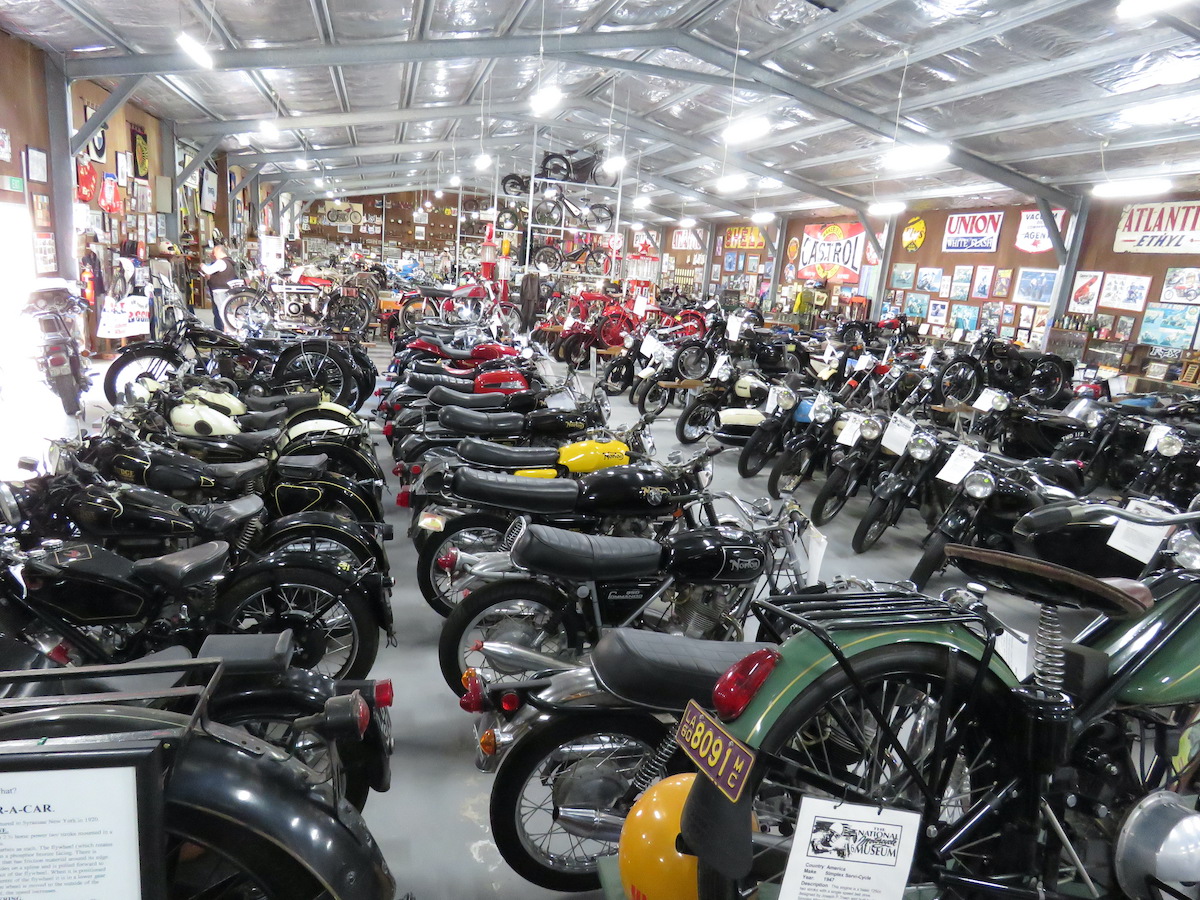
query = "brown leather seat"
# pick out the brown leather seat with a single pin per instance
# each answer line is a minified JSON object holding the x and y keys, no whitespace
{"x":1052,"y":585}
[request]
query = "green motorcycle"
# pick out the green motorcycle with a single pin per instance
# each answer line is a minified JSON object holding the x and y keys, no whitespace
{"x":887,"y":741}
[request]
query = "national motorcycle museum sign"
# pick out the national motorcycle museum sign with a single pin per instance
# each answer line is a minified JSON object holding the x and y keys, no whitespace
{"x":1159,"y":228}
{"x":976,"y":232}
{"x":832,"y":252}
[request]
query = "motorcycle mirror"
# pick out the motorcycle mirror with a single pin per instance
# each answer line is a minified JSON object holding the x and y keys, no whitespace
{"x":27,"y":463}
{"x":675,"y":457}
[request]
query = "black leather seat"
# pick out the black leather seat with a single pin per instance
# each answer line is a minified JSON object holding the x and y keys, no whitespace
{"x":486,"y":453}
{"x":236,"y":476}
{"x":221,"y":518}
{"x":288,"y":402}
{"x":441,"y":396}
{"x":250,"y":654}
{"x":1191,"y":429}
{"x":426,"y":383}
{"x":260,"y":421}
{"x":184,"y":569}
{"x":569,"y":554}
{"x":532,"y":495}
{"x":427,"y":330}
{"x":302,"y":468}
{"x":255,"y":441}
{"x":448,"y":351}
{"x":474,"y":421}
{"x":663,"y":671}
{"x":435,"y":291}
{"x":429,"y":367}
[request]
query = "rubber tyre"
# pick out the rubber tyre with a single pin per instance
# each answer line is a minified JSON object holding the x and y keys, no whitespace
{"x":793,"y":463}
{"x":694,"y":359}
{"x":762,"y":445}
{"x":359,"y":615}
{"x":152,"y":361}
{"x":878,"y":513}
{"x":963,"y":379}
{"x":68,"y":393}
{"x":523,"y":763}
{"x":617,"y":376}
{"x":315,"y":365}
{"x":1050,"y":378}
{"x":1082,"y":449}
{"x":431,"y":549}
{"x":414,"y":311}
{"x":597,"y":263}
{"x":555,"y":167}
{"x":514,"y":185}
{"x":613,"y":328}
{"x":348,"y":312}
{"x":577,"y":352}
{"x":599,"y":217}
{"x":549,"y":213}
{"x":549,"y":257}
{"x":498,"y":593}
{"x":830,"y":500}
{"x":698,"y":414}
{"x":654,"y":399}
{"x":933,"y":559}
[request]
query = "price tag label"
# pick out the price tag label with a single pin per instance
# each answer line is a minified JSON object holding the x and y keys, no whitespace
{"x":568,"y":322}
{"x":651,"y":345}
{"x":983,"y":402}
{"x":864,"y":362}
{"x":639,"y":306}
{"x":817,"y":544}
{"x":898,"y":433}
{"x":961,"y":461}
{"x":850,"y":433}
{"x":733,"y":327}
{"x":1140,"y":541}
{"x":927,"y":359}
{"x":1157,"y":433}
{"x":772,"y":401}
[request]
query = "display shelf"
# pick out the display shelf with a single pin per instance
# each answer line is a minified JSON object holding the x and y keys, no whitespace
{"x":571,"y":228}
{"x":615,"y":189}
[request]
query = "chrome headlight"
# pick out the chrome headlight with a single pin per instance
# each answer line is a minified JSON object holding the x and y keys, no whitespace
{"x":926,"y":383}
{"x":723,"y":371}
{"x":628,"y":341}
{"x":922,"y":447}
{"x":786,"y":397}
{"x":871,"y":429}
{"x":1170,"y":445}
{"x":705,"y":474}
{"x":822,"y":413}
{"x":8,"y":506}
{"x":1001,"y":402}
{"x":1186,"y":547}
{"x":979,"y":485}
{"x":1092,"y":419}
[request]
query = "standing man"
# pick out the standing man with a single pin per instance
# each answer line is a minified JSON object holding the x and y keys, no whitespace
{"x":219,"y":273}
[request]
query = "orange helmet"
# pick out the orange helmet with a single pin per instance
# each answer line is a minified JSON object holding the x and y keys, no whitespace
{"x":651,"y":867}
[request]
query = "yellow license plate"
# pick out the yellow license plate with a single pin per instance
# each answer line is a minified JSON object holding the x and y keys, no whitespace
{"x":723,"y":759}
{"x":431,"y":522}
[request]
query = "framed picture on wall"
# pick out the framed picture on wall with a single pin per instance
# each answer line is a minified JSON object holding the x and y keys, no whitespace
{"x":752,"y":263}
{"x":989,"y":315}
{"x":960,"y":287}
{"x":1104,"y":326}
{"x":1003,"y":283}
{"x":904,"y":275}
{"x":929,"y":279}
{"x":938,"y":311}
{"x":1123,"y":330}
{"x":1181,"y":286}
{"x":944,"y":287}
{"x":741,"y":262}
{"x":1024,"y":335}
{"x":1128,"y":292}
{"x":36,"y":165}
{"x":917,"y":305}
{"x":981,"y":289}
{"x":1010,"y":314}
{"x":41,"y":210}
{"x":731,"y":261}
{"x":964,"y":316}
{"x":1169,"y":325}
{"x":1026,"y":320}
{"x":1085,"y":292}
{"x":1008,"y":332}
{"x":1035,"y":286}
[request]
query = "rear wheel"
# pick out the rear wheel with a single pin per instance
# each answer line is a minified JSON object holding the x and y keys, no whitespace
{"x":613,"y":328}
{"x":1051,"y":376}
{"x":654,"y":398}
{"x":68,"y":393}
{"x":697,"y":421}
{"x":962,"y":379}
{"x":317,"y":364}
{"x":549,"y":257}
{"x":156,"y":362}
{"x":792,"y":469}
{"x":247,"y":310}
{"x":577,"y":351}
{"x":440,"y":573}
{"x":348,"y":315}
{"x":617,"y":376}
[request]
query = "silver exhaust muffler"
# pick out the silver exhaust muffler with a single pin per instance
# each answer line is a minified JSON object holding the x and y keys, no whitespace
{"x":1159,"y":844}
{"x":512,"y":656}
{"x":590,"y":823}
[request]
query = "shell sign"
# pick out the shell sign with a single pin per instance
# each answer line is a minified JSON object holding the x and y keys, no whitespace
{"x":745,"y":237}
{"x":832,"y":252}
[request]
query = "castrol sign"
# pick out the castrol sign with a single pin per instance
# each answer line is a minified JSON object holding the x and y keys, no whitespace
{"x":832,"y":252}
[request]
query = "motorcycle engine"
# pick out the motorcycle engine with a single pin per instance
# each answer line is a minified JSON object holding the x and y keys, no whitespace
{"x":293,"y":309}
{"x":627,"y":526}
{"x":698,"y":611}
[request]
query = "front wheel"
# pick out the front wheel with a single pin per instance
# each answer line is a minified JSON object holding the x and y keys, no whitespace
{"x":880,"y":516}
{"x":654,"y":397}
{"x":694,"y":360}
{"x":348,"y":315}
{"x":962,"y":379}
{"x":697,"y":421}
{"x":793,"y":469}
{"x":832,"y":497}
{"x":440,"y":563}
{"x":156,"y":362}
{"x":316,"y":364}
{"x":617,"y":376}
{"x":763,"y":444}
{"x":932,"y":560}
{"x":246,"y":309}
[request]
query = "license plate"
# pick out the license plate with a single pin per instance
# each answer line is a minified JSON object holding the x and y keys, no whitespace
{"x":431,"y":522}
{"x":349,"y":292}
{"x":58,"y":370}
{"x":723,"y":759}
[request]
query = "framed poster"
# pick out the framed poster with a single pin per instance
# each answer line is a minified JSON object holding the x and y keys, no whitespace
{"x":1123,"y":329}
{"x":124,"y":168}
{"x":731,"y":261}
{"x":916,"y":306}
{"x":1104,"y":326}
{"x":1085,"y":292}
{"x":418,"y":232}
{"x":1003,"y":283}
{"x":45,"y":256}
{"x":944,"y":287}
{"x":989,"y":315}
{"x":964,"y":316}
{"x":982,"y":287}
{"x":929,"y":279}
{"x":1166,"y":325}
{"x":1035,"y":286}
{"x":1026,"y":317}
{"x":1024,"y":335}
{"x":1008,"y":332}
{"x":715,"y":275}
{"x":1040,"y":316}
{"x":41,"y":210}
{"x":741,"y":263}
{"x":1181,"y":286}
{"x":1010,"y":314}
{"x":938,"y":312}
{"x":1128,"y":292}
{"x":753,"y":263}
{"x":960,"y":286}
{"x":36,"y":165}
{"x":904,"y":275}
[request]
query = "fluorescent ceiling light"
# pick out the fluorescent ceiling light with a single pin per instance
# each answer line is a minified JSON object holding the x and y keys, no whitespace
{"x":687,"y":222}
{"x":319,"y":182}
{"x":636,"y":226}
{"x":887,"y":208}
{"x":915,"y":156}
{"x":455,"y":181}
{"x":1132,"y":187}
{"x":267,"y":128}
{"x":301,"y":164}
{"x":439,"y":193}
{"x":769,"y":184}
{"x":1163,"y":112}
{"x":762,"y":217}
{"x":743,"y":130}
{"x":613,"y":164}
{"x":1133,"y":9}
{"x":94,"y":48}
{"x":482,"y":162}
{"x":195,"y":50}
{"x":641,"y":201}
{"x":329,"y":195}
{"x":546,"y":99}
{"x":813,"y":204}
{"x":728,"y":184}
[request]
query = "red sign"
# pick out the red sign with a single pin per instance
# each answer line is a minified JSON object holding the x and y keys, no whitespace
{"x":86,"y":181}
{"x":110,"y":195}
{"x":832,"y":252}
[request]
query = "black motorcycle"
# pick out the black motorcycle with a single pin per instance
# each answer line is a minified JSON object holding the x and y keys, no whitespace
{"x":53,"y":305}
{"x":992,"y":362}
{"x":788,"y":408}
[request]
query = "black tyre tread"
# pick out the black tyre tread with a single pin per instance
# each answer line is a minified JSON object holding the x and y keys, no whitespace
{"x":932,"y":559}
{"x":685,"y":417}
{"x":828,"y":494}
{"x":877,"y":509}
{"x":757,"y":452}
{"x":126,"y":360}
{"x":68,"y":393}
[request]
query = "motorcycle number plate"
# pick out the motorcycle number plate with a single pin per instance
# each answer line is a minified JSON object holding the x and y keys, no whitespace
{"x":849,"y":435}
{"x":58,"y":370}
{"x":431,"y":522}
{"x":733,"y":327}
{"x":722,"y":758}
{"x":1157,"y":433}
{"x":349,"y":292}
{"x":983,"y":402}
{"x":960,"y":463}
{"x":898,"y":433}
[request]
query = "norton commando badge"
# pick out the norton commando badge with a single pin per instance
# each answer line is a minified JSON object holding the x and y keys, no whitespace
{"x":655,"y":496}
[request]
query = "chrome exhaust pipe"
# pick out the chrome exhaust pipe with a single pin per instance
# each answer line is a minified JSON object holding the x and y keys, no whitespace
{"x":509,"y":656}
{"x":597,"y":824}
{"x":1159,"y":844}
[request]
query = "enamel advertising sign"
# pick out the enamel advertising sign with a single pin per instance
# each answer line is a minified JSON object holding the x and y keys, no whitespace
{"x":974,"y":232}
{"x":832,"y":252}
{"x":1032,"y":236}
{"x":745,"y":237}
{"x":1159,"y":228}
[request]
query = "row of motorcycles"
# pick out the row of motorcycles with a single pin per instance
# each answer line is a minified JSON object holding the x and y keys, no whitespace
{"x":206,"y":571}
{"x":598,"y":602}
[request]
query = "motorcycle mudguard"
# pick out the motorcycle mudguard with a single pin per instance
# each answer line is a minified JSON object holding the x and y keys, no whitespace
{"x":159,"y":346}
{"x":956,"y":523}
{"x":368,"y":545}
{"x":892,"y":486}
{"x":343,"y":452}
{"x":797,"y":441}
{"x":305,"y":496}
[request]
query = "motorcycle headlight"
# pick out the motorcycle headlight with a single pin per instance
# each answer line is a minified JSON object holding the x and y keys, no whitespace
{"x":1170,"y":445}
{"x":723,"y":371}
{"x":1186,"y":547}
{"x":705,"y":474}
{"x":786,"y":397}
{"x":1092,"y":419}
{"x":871,"y":429}
{"x":1001,"y":402}
{"x":823,"y":413}
{"x":922,"y":447}
{"x":8,"y":506}
{"x":979,"y":485}
{"x":628,"y":341}
{"x":926,"y":383}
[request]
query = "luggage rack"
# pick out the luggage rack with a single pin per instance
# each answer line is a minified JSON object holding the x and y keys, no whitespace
{"x":834,"y":612}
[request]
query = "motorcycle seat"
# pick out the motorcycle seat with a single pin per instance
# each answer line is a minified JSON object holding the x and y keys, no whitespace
{"x":234,"y":476}
{"x":663,"y":671}
{"x":485,"y":453}
{"x":589,"y":557}
{"x":250,"y":654}
{"x":475,"y":421}
{"x":531,"y":495}
{"x":1191,"y":429}
{"x":1067,"y":422}
{"x":290,"y":403}
{"x":146,"y":682}
{"x":425,"y":383}
{"x":428,"y":367}
{"x":259,"y":421}
{"x":302,"y":468}
{"x":435,"y":292}
{"x":186,"y":568}
{"x":427,"y":330}
{"x":448,"y":351}
{"x":255,"y":441}
{"x":442,"y":396}
{"x":1052,"y":585}
{"x":221,"y":518}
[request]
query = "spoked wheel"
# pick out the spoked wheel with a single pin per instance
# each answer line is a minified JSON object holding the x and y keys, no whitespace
{"x":508,"y":220}
{"x":761,"y":446}
{"x":210,"y":859}
{"x":127,"y":368}
{"x":317,"y":364}
{"x":880,"y":516}
{"x":247,"y":310}
{"x":514,"y":185}
{"x":549,"y":257}
{"x":613,"y":329}
{"x":697,"y":421}
{"x":692,"y":323}
{"x":577,"y":351}
{"x":1050,"y":377}
{"x":617,"y":376}
{"x":414,"y":312}
{"x":556,"y":167}
{"x":655,"y":398}
{"x":790,"y":471}
{"x":441,"y":564}
{"x":828,"y":744}
{"x":549,"y":213}
{"x":694,"y":360}
{"x":931,"y":561}
{"x":348,"y":315}
{"x":597,"y":262}
{"x":598,"y":217}
{"x":831,"y":498}
{"x":962,"y":380}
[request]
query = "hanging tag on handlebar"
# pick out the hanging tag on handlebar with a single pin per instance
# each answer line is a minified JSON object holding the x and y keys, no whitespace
{"x":898,"y":433}
{"x":733,"y":327}
{"x":772,"y":403}
{"x":1142,"y":542}
{"x":849,"y":434}
{"x":961,"y":461}
{"x":864,"y":362}
{"x":927,"y":360}
{"x":568,"y":322}
{"x":651,"y":344}
{"x":639,"y":306}
{"x":983,"y":402}
{"x":816,"y":544}
{"x":1157,"y":433}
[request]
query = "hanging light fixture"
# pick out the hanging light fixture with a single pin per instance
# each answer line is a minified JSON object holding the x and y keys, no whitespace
{"x":439,"y":193}
{"x":545,"y":99}
{"x":301,"y":163}
{"x":887,"y":208}
{"x":762,"y":217}
{"x":687,"y":222}
{"x":267,"y":128}
{"x":455,"y":180}
{"x":731,"y":183}
{"x":319,"y":182}
{"x":907,"y":157}
{"x":614,"y":164}
{"x":745,"y":130}
{"x":636,"y":226}
{"x":1132,"y":187}
{"x":482,"y":162}
{"x":641,"y":201}
{"x":195,"y":50}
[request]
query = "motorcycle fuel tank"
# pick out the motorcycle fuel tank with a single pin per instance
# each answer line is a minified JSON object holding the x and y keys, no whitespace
{"x":86,"y":585}
{"x":127,"y":510}
{"x":721,"y":555}
{"x":591,"y":456}
{"x":202,"y":421}
{"x":502,"y":381}
{"x":634,"y":490}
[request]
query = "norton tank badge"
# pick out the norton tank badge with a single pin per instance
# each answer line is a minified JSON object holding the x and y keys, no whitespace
{"x":655,"y":496}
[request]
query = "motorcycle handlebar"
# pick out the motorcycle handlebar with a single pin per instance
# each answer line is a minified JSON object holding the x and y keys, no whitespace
{"x":1052,"y":518}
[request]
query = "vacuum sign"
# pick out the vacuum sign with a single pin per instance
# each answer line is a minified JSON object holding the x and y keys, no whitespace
{"x":972,"y":232}
{"x":832,"y":252}
{"x":1159,"y":228}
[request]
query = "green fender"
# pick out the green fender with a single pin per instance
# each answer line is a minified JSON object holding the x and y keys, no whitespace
{"x":805,"y":659}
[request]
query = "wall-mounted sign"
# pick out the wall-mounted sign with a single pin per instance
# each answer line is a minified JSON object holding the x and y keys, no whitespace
{"x":1159,"y":228}
{"x":746,"y":237}
{"x":913,"y":236}
{"x":98,"y":145}
{"x":141,"y":151}
{"x":686,"y":239}
{"x":832,"y":252}
{"x":1032,"y":236}
{"x":5,"y":146}
{"x":975,"y":232}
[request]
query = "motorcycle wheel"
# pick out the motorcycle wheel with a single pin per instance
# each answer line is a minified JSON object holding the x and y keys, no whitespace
{"x":693,"y":323}
{"x":599,"y":217}
{"x":414,"y":311}
{"x":317,"y":364}
{"x":472,"y":533}
{"x":597,"y":263}
{"x":821,"y":732}
{"x":962,"y":379}
{"x":247,"y":308}
{"x":323,"y":539}
{"x":613,"y":328}
{"x":549,"y":213}
{"x":343,"y":643}
{"x":68,"y":393}
{"x":555,"y":167}
{"x":879,"y":518}
{"x":931,"y":561}
{"x":854,"y":334}
{"x":348,"y":315}
{"x":516,"y":611}
{"x":1050,"y":377}
{"x":129,"y":366}
{"x":1084,"y":450}
{"x":617,"y":376}
{"x":696,"y":422}
{"x":577,"y":352}
{"x":792,"y":470}
{"x":758,"y":451}
{"x":832,"y":497}
{"x":514,"y":185}
{"x":655,"y":398}
{"x":694,"y":360}
{"x":507,"y":220}
{"x":576,"y":761}
{"x":549,"y":257}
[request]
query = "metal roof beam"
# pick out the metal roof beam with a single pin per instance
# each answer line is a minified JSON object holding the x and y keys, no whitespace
{"x":360,"y":150}
{"x":700,"y":196}
{"x":826,"y":24}
{"x":341,"y":120}
{"x":201,"y":157}
{"x":116,"y":99}
{"x":641,"y":68}
{"x":389,"y":52}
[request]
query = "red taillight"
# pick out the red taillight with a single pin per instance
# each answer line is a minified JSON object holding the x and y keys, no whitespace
{"x":881,"y":369}
{"x":388,"y":429}
{"x":404,"y":499}
{"x":56,"y":360}
{"x":414,"y":470}
{"x":378,"y":392}
{"x":384,"y":407}
{"x":399,"y":469}
{"x":853,"y":382}
{"x":737,"y":687}
{"x":473,"y":700}
{"x":56,"y":348}
{"x":446,"y":561}
{"x":510,"y":702}
{"x":364,"y":714}
{"x":385,"y":694}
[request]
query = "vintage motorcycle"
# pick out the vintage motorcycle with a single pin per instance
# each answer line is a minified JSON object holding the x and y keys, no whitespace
{"x":992,"y":362}
{"x":53,"y":304}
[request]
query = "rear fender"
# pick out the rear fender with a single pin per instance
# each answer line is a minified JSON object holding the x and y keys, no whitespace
{"x":348,"y":530}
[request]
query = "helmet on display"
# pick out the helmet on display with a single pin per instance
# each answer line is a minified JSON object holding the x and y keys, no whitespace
{"x":166,"y":249}
{"x":651,"y":866}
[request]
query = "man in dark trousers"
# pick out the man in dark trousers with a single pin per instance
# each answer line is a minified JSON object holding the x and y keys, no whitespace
{"x":219,"y":273}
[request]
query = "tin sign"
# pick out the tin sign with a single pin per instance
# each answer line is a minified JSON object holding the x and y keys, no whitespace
{"x":832,"y":252}
{"x":1159,"y":228}
{"x":974,"y":232}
